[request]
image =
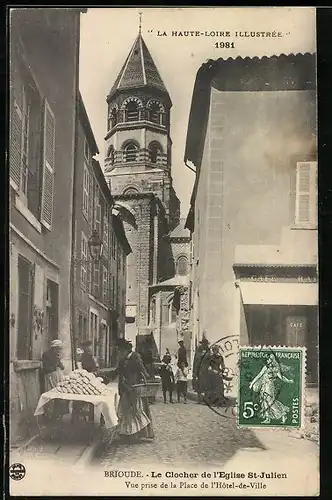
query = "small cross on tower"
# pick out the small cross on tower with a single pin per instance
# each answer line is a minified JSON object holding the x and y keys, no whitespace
{"x":140,"y":23}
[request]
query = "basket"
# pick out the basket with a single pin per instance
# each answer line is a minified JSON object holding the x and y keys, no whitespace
{"x":147,"y":390}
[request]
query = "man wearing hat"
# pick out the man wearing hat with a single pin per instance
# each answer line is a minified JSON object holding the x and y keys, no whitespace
{"x":182,"y":354}
{"x":52,"y":365}
{"x":88,"y":361}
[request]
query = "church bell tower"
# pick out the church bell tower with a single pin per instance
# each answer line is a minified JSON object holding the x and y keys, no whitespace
{"x":137,"y":169}
{"x":138,"y":142}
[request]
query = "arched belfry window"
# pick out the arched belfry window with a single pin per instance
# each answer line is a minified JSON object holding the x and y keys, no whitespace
{"x":132,"y":112}
{"x":130,"y":190}
{"x":112,"y":118}
{"x":110,"y":154}
{"x":131,"y":152}
{"x":182,"y":266}
{"x":154,"y":150}
{"x":156,"y":112}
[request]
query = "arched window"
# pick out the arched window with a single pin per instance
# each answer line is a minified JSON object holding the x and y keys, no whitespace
{"x":182,"y":266}
{"x":132,"y":113}
{"x":130,"y":190}
{"x":110,"y":154}
{"x":154,"y":149}
{"x":112,"y":118}
{"x":154,"y":113}
{"x":153,"y":310}
{"x":131,"y":152}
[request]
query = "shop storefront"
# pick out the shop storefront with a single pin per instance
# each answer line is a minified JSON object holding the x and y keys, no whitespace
{"x":279,"y":306}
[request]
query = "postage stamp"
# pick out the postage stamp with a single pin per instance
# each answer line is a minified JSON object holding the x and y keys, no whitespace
{"x":271,"y":386}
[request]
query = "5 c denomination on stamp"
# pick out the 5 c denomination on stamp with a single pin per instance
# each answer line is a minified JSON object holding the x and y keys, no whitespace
{"x":271,"y":386}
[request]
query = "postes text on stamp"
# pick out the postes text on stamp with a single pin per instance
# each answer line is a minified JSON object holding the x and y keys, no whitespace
{"x":271,"y":386}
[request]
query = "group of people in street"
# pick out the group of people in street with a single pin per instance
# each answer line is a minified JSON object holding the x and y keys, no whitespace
{"x":209,"y":374}
{"x":53,"y":367}
{"x":53,"y":370}
{"x":134,"y":413}
{"x":178,"y":377}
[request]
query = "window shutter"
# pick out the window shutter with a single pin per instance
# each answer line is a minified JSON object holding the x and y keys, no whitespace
{"x":15,"y":144}
{"x":306,"y":193}
{"x":48,"y":167}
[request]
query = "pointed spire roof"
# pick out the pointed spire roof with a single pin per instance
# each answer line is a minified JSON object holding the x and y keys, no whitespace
{"x":139,"y":70}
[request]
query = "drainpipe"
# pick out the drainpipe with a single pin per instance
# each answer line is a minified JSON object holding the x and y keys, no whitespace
{"x":73,"y":220}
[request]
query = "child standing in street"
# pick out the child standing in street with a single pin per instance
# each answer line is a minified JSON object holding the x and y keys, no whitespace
{"x":181,"y":377}
{"x":167,"y":379}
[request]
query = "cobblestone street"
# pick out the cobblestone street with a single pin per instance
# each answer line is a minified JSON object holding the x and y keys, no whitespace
{"x":185,"y":434}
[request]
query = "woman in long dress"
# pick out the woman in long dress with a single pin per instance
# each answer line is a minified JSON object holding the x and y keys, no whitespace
{"x":134,"y":414}
{"x":216,"y":382}
{"x":264,"y":385}
{"x":52,"y":365}
{"x":53,"y":374}
{"x":200,"y":369}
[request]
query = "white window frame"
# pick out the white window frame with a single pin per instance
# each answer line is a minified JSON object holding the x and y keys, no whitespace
{"x":105,"y":233}
{"x":86,"y":191}
{"x":96,"y":282}
{"x":311,"y":194}
{"x":48,"y":168}
{"x":84,"y":261}
{"x":105,"y":284}
{"x":113,"y":291}
{"x":98,"y":216}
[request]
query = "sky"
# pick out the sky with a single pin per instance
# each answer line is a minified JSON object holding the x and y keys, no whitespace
{"x":107,"y":35}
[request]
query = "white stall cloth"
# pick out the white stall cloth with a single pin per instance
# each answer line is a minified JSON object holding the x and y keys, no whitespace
{"x":105,"y":404}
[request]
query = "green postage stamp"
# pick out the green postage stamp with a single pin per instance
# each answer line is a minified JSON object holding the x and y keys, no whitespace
{"x":271,"y":386}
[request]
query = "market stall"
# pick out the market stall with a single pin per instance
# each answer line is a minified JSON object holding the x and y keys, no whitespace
{"x":89,"y":401}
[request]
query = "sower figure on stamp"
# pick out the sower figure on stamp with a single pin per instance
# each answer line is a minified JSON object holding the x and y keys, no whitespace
{"x":167,"y":379}
{"x":264,"y":385}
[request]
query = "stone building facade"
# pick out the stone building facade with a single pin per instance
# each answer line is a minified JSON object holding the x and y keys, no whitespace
{"x":43,"y":96}
{"x":253,"y":215}
{"x":169,"y":299}
{"x":100,"y":287}
{"x":138,"y":170}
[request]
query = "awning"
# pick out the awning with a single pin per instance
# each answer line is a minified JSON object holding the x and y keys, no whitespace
{"x":292,"y":294}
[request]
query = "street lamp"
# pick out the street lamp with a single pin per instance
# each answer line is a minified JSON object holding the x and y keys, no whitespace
{"x":96,"y":250}
{"x":95,"y":246}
